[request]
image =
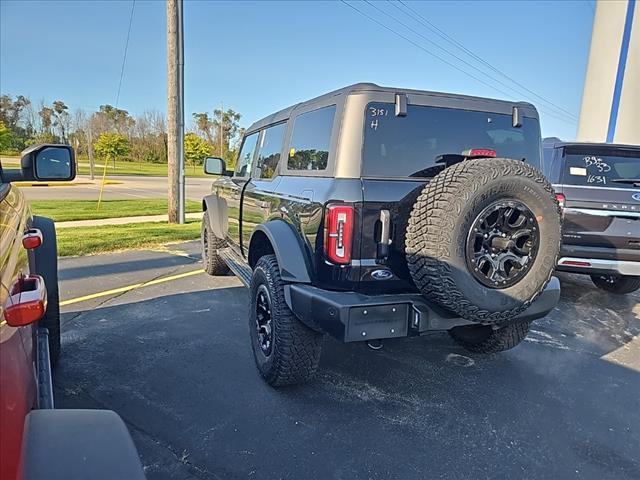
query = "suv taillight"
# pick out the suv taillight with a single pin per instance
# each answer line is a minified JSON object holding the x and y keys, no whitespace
{"x":561,"y":200}
{"x":338,"y":233}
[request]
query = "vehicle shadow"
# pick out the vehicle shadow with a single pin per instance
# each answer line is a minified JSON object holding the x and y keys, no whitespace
{"x":179,"y":370}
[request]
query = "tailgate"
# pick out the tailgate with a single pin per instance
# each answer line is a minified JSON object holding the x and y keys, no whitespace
{"x":396,"y":197}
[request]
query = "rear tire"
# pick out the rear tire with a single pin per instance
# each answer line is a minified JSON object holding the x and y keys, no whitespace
{"x":618,"y":284}
{"x":514,"y":205}
{"x":46,"y":260}
{"x":285,"y":350}
{"x":212,"y":262}
{"x":484,"y":339}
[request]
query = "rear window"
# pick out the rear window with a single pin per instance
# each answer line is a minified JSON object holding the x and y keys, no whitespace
{"x":604,"y":167}
{"x":310,"y":140}
{"x":410,"y":146}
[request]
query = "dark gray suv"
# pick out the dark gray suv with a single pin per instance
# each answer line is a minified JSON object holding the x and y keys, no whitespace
{"x":599,"y":185}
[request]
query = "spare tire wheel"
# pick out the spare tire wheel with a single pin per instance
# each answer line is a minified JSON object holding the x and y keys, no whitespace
{"x":483,"y":238}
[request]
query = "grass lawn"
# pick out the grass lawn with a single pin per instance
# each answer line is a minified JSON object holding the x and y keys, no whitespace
{"x":67,"y":210}
{"x":107,"y":238}
{"x":136,"y":168}
{"x":122,"y":168}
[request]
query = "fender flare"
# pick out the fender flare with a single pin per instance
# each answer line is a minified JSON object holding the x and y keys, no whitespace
{"x":288,"y":248}
{"x":216,"y":209}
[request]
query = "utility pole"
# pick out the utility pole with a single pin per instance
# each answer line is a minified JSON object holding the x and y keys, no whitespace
{"x":175,"y":110}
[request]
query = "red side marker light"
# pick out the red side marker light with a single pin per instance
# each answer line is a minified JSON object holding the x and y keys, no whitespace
{"x":32,"y":238}
{"x":562,"y":200}
{"x":27,"y":302}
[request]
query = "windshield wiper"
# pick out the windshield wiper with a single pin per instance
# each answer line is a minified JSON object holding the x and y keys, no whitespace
{"x":633,"y":181}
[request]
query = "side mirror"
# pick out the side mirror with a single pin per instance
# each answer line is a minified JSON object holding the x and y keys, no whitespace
{"x":45,"y":162}
{"x":54,"y":163}
{"x":214,"y":166}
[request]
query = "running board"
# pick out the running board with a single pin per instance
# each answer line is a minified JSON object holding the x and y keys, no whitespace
{"x":237,"y":265}
{"x":45,"y":386}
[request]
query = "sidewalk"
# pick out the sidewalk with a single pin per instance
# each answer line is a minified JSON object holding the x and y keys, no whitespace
{"x":122,"y":220}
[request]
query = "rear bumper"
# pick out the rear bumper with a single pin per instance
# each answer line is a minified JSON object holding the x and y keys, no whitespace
{"x":596,"y":265}
{"x":351,"y":316}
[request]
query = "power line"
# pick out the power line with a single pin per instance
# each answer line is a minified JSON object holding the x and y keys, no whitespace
{"x":422,"y":48}
{"x":458,"y":58}
{"x":492,"y":86}
{"x":126,"y":47}
{"x":425,"y":22}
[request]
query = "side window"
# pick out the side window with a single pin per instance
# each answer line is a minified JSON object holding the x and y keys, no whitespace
{"x":309,"y":148}
{"x":269,"y":151}
{"x":245,"y":159}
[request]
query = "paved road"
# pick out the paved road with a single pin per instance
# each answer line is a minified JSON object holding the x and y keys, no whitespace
{"x":131,"y":187}
{"x":174,"y":361}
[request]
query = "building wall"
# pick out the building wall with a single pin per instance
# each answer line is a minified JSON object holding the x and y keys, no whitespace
{"x":596,"y":119}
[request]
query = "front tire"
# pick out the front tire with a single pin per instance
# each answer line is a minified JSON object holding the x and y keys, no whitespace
{"x":618,"y":284}
{"x":486,"y":339}
{"x":46,"y":260}
{"x":213,"y":263}
{"x":285,"y":350}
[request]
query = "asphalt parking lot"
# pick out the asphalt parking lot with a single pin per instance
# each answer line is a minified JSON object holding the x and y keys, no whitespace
{"x":174,"y":360}
{"x":123,"y":187}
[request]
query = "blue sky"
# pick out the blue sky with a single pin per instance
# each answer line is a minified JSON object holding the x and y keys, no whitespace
{"x":258,"y":57}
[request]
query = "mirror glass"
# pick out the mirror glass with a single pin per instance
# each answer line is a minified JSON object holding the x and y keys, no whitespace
{"x":214,"y":166}
{"x":53,"y":163}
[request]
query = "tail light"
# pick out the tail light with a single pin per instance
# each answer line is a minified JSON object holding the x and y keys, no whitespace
{"x":338,"y":233}
{"x":562,"y":200}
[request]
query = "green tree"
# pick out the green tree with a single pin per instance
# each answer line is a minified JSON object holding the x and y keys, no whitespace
{"x":196,"y":149}
{"x":226,"y":124}
{"x":6,"y":137}
{"x":110,"y":146}
{"x":61,"y":118}
{"x":115,"y":118}
{"x":44,"y":137}
{"x":10,"y":110}
{"x":46,"y":115}
{"x":204,"y":125}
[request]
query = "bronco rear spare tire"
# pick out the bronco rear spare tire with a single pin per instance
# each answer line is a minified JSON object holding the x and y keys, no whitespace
{"x":483,"y":238}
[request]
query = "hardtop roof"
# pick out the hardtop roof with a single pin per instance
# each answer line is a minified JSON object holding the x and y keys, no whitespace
{"x":286,"y":113}
{"x":554,"y":144}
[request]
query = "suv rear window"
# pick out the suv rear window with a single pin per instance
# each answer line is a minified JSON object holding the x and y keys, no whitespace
{"x":410,"y":146}
{"x":601,"y":167}
{"x":309,"y":146}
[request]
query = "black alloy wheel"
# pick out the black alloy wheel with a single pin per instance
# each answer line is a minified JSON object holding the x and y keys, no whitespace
{"x":264,"y":327}
{"x":502,"y":243}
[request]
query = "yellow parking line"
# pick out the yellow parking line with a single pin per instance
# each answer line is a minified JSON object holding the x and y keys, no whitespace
{"x":128,"y":288}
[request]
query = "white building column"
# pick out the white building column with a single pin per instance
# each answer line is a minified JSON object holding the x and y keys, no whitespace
{"x":610,"y":110}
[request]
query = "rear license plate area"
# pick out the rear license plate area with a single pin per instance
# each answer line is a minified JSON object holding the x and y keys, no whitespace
{"x":376,"y":322}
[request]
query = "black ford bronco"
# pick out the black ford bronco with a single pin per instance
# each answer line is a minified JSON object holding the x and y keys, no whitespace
{"x":371,"y":213}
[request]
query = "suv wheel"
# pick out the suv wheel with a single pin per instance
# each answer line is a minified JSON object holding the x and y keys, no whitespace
{"x":285,"y":350}
{"x":487,"y":339}
{"x":46,"y":260}
{"x":213,"y":263}
{"x":619,"y":284}
{"x":483,"y":238}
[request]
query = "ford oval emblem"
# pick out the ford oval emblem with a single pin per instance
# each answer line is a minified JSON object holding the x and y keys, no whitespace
{"x":636,"y":197}
{"x":381,"y":274}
